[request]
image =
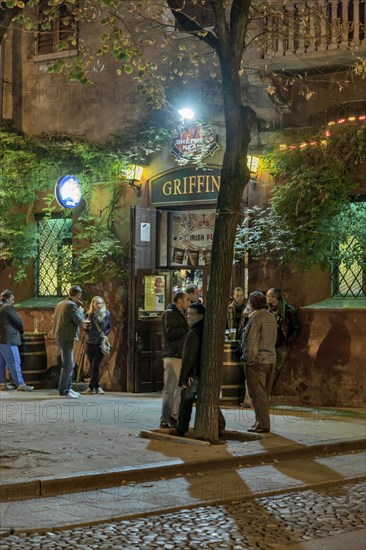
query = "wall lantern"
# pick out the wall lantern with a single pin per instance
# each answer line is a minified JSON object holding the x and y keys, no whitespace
{"x":134,"y":174}
{"x":253,"y":165}
{"x":68,"y":191}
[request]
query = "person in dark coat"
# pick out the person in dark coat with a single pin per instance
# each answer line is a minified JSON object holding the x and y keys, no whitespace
{"x":96,"y":323}
{"x":68,"y":316}
{"x":175,"y":328}
{"x":191,"y":366}
{"x":288,"y":327}
{"x":11,"y":329}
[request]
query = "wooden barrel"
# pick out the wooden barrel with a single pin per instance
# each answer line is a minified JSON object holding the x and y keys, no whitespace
{"x":232,"y":377}
{"x":33,"y":359}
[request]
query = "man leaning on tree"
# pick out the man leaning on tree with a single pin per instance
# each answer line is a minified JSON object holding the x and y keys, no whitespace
{"x":175,"y":328}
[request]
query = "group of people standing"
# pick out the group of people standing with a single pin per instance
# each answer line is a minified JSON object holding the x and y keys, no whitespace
{"x":266,"y":325}
{"x":69,"y":316}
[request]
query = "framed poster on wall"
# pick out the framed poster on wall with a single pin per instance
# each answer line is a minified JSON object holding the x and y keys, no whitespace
{"x":191,"y":235}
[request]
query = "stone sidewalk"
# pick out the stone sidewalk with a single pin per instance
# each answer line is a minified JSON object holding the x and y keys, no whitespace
{"x":50,"y":446}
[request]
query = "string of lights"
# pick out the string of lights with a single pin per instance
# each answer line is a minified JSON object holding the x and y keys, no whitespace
{"x":327,"y":133}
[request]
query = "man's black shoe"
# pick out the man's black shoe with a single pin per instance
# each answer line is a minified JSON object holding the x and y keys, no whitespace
{"x":164,"y":424}
{"x":258,"y":430}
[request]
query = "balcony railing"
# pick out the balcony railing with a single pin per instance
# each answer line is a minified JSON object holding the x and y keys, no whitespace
{"x":316,"y":28}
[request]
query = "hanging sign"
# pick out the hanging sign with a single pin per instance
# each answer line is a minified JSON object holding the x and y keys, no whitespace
{"x":193,"y":141}
{"x":68,"y":191}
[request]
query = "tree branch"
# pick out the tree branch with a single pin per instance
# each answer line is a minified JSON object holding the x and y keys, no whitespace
{"x":189,"y":25}
{"x":6,"y":17}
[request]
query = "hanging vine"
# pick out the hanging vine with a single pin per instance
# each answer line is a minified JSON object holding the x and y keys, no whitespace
{"x":310,"y":208}
{"x":30,"y":163}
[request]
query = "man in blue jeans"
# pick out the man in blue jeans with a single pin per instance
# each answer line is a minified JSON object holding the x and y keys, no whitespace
{"x":68,"y":316}
{"x":11,"y":328}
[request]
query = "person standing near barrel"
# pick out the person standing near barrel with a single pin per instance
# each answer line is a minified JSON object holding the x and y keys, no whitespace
{"x":68,"y":316}
{"x":11,"y":328}
{"x":259,"y":354}
{"x":96,"y":323}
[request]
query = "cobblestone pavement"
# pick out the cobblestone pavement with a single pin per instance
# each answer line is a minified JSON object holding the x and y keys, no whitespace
{"x":264,"y":523}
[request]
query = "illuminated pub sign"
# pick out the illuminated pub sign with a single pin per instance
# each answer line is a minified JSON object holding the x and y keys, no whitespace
{"x":68,"y":191}
{"x":185,"y":186}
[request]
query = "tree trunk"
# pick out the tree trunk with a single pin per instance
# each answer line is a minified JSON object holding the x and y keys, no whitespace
{"x":6,"y":17}
{"x":234,"y":178}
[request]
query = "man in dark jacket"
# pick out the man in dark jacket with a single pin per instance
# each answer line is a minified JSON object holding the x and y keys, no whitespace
{"x":68,"y":316}
{"x":190,"y":371}
{"x":11,"y":328}
{"x":288,"y":327}
{"x":175,"y":328}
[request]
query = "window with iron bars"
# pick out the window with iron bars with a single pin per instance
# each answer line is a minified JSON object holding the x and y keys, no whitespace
{"x":54,"y":258}
{"x":349,"y":277}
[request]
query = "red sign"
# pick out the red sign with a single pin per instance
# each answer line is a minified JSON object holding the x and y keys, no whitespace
{"x":193,"y":141}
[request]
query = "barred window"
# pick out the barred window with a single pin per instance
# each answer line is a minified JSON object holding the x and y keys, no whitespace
{"x":348,"y":274}
{"x":54,"y":258}
{"x":62,"y":29}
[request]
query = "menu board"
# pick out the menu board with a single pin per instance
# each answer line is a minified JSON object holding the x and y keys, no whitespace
{"x":154,"y":293}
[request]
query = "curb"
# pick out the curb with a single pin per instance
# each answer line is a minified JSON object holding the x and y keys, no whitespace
{"x":92,"y":480}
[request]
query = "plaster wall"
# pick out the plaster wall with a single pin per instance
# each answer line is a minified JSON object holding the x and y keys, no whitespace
{"x":326,"y":365}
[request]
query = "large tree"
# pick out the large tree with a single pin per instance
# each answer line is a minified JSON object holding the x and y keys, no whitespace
{"x":228,"y":39}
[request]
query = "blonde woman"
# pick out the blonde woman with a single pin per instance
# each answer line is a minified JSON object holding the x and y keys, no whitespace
{"x":97,"y":322}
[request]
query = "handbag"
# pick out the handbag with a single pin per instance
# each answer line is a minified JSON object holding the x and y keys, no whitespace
{"x":105,"y":345}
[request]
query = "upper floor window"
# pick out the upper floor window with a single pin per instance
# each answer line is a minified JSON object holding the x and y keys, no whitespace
{"x":200,"y":11}
{"x":58,"y":37}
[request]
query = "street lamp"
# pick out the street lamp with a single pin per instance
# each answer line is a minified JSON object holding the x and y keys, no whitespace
{"x":186,"y":113}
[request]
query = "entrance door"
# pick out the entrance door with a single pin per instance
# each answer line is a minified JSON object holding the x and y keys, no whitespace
{"x":152,"y":298}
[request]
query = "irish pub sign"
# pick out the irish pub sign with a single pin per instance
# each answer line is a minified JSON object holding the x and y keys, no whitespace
{"x":185,"y":186}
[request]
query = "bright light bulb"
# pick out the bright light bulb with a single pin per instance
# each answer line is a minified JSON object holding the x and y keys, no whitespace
{"x":186,"y":113}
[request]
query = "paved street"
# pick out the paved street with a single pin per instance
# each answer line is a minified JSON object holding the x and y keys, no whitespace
{"x":290,"y":520}
{"x":90,"y":480}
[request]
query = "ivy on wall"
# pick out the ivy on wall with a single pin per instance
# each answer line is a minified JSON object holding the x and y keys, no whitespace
{"x":30,"y":166}
{"x":310,"y":207}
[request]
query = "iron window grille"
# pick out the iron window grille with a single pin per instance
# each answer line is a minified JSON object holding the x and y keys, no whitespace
{"x":348,"y":279}
{"x":54,"y":259}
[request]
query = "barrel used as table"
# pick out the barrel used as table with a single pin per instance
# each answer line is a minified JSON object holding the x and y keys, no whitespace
{"x":33,"y":358}
{"x":232,"y":378}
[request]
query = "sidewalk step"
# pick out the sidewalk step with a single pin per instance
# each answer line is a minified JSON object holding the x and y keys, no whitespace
{"x":132,"y":500}
{"x":95,"y":480}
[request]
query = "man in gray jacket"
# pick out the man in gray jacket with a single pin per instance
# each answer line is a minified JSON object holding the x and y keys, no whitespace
{"x":11,"y":328}
{"x":259,"y":354}
{"x":68,"y":316}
